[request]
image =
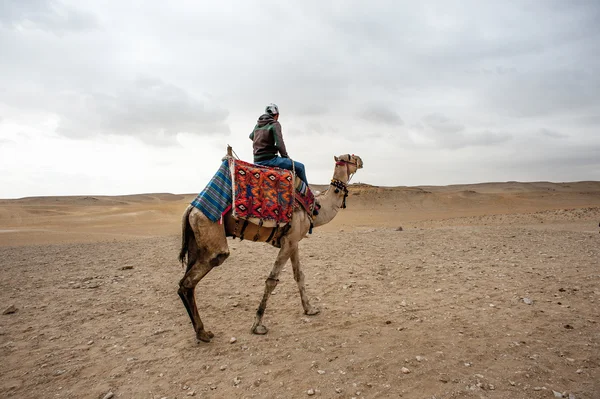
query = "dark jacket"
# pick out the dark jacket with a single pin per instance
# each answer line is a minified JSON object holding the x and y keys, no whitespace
{"x":267,"y":139}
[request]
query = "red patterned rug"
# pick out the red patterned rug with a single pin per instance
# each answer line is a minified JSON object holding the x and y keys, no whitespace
{"x":262,"y":192}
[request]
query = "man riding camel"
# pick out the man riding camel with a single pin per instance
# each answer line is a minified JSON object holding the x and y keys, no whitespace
{"x":267,"y":142}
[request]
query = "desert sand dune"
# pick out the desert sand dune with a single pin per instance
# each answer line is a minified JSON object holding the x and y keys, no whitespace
{"x":484,"y":290}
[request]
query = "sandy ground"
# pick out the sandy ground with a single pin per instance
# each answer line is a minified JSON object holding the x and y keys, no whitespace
{"x":488,"y":291}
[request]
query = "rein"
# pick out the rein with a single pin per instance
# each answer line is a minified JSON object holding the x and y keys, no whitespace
{"x":345,"y":163}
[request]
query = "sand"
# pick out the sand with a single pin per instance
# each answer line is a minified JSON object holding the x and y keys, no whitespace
{"x":474,"y":291}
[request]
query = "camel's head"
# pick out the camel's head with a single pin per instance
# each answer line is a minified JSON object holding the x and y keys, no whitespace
{"x":352,"y":162}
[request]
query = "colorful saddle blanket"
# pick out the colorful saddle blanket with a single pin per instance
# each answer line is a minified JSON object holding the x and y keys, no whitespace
{"x":260,"y":194}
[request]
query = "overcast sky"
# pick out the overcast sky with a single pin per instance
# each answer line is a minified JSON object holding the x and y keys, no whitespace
{"x":121,"y":97}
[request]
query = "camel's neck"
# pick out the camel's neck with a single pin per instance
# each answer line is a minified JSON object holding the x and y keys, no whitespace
{"x":331,"y":201}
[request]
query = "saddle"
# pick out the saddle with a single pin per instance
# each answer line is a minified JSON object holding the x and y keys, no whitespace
{"x":263,"y":195}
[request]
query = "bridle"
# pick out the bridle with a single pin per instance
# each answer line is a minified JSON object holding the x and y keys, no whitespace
{"x":340,"y":185}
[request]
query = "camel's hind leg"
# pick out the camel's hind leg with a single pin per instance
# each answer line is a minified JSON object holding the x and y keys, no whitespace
{"x":299,"y":277}
{"x":270,"y":284}
{"x":206,"y":247}
{"x":187,"y":286}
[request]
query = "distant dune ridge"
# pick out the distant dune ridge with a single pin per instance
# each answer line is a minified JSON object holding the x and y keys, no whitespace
{"x":93,"y":217}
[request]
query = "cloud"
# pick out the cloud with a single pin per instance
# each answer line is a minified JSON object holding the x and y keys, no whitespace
{"x":313,"y":110}
{"x":48,"y":15}
{"x":441,"y":131}
{"x":315,"y":127}
{"x":485,"y":138}
{"x":381,"y":114}
{"x":552,"y":134}
{"x":541,"y":93}
{"x":149,"y":109}
{"x":442,"y":124}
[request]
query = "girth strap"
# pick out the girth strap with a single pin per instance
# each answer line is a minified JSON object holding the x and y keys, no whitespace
{"x":234,"y":234}
{"x":256,"y":236}
{"x":272,"y":233}
{"x":243,"y":229}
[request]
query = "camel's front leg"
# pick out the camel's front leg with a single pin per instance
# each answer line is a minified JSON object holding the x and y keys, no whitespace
{"x":270,"y":284}
{"x":299,"y":277}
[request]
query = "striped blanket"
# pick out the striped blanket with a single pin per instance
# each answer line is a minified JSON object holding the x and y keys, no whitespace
{"x":304,"y":197}
{"x":216,"y":197}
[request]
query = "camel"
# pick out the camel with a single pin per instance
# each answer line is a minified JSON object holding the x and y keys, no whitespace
{"x":204,"y":244}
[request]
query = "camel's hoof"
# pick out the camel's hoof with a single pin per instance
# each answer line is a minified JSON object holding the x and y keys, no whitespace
{"x":204,"y":336}
{"x":260,"y":330}
{"x":312,"y":311}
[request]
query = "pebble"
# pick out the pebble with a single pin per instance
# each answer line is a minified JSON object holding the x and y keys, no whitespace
{"x":310,"y":392}
{"x":223,"y":368}
{"x":109,"y":395}
{"x":233,"y":340}
{"x":191,"y":393}
{"x":557,"y":394}
{"x":9,"y":310}
{"x":321,"y":372}
{"x":236,"y":381}
{"x":527,"y":301}
{"x":338,"y":390}
{"x":579,"y":371}
{"x":405,"y":370}
{"x":420,"y":358}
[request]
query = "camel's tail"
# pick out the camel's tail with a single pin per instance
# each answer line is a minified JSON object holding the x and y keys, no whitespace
{"x":186,"y":230}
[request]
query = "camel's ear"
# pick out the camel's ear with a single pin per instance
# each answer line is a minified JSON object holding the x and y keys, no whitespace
{"x":336,"y":158}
